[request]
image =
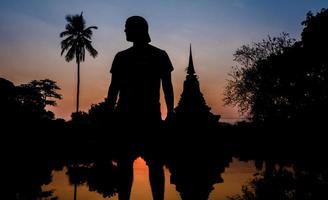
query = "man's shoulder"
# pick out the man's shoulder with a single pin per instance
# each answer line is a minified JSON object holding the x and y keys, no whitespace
{"x":124,"y":52}
{"x":156,"y":50}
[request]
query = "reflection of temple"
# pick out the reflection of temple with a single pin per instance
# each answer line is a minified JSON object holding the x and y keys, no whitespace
{"x":195,"y":177}
{"x":192,"y":107}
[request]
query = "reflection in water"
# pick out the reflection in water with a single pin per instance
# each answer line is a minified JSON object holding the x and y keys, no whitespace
{"x":140,"y":188}
{"x":63,"y":190}
{"x":235,"y":175}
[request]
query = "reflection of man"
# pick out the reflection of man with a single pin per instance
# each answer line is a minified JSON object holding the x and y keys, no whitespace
{"x":137,"y":74}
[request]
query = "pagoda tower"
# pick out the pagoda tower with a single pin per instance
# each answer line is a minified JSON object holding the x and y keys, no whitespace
{"x":192,"y":107}
{"x":194,"y":151}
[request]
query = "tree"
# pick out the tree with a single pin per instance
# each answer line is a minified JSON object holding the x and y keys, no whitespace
{"x":315,"y":45}
{"x":46,"y":89}
{"x":36,"y":95}
{"x":314,"y":35}
{"x":280,"y":80}
{"x":78,"y":39}
{"x":244,"y":89}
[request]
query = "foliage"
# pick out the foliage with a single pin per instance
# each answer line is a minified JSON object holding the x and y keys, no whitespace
{"x":43,"y":89}
{"x":78,"y":38}
{"x":28,"y":101}
{"x":280,"y":80}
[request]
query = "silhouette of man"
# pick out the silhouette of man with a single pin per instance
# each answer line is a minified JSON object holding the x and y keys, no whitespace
{"x":134,"y":92}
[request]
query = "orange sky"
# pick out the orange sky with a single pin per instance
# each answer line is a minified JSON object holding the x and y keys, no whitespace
{"x":30,"y":43}
{"x":95,"y":76}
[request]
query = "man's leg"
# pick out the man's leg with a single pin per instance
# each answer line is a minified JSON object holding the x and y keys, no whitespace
{"x":154,"y":158}
{"x":125,"y":167}
{"x":157,"y":180}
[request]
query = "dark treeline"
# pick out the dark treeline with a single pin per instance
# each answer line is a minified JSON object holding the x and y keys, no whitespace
{"x":280,"y":83}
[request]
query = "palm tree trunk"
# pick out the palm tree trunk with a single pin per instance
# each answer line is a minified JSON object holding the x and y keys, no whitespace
{"x":75,"y":191}
{"x":78,"y":86}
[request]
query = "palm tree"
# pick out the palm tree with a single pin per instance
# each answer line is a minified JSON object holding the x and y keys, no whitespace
{"x":77,"y":175}
{"x":78,"y":38}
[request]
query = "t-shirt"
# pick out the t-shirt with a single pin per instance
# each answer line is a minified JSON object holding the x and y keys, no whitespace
{"x":139,"y":71}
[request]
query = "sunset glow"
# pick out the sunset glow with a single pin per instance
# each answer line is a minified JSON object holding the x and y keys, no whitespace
{"x":235,"y":176}
{"x":30,"y":43}
{"x":77,"y":128}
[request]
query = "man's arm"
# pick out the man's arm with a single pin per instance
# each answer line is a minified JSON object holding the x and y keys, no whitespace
{"x":168,"y":93}
{"x":113,"y":91}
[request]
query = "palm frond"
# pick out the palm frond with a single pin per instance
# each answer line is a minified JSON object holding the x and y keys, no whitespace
{"x":67,"y":40}
{"x":69,"y":18}
{"x":88,"y":32}
{"x":79,"y":53}
{"x":65,"y":44}
{"x":86,"y":40}
{"x":83,"y":54}
{"x":78,"y":22}
{"x":70,"y":53}
{"x":62,"y":51}
{"x":64,"y":33}
{"x":78,"y":38}
{"x":91,"y":27}
{"x":92,"y":51}
{"x":86,"y":36}
{"x":70,"y":28}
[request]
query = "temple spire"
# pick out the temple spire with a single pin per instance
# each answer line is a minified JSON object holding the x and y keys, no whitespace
{"x":192,"y":110}
{"x":190,"y":69}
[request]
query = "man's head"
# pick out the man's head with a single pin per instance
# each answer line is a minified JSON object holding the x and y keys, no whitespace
{"x":136,"y":30}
